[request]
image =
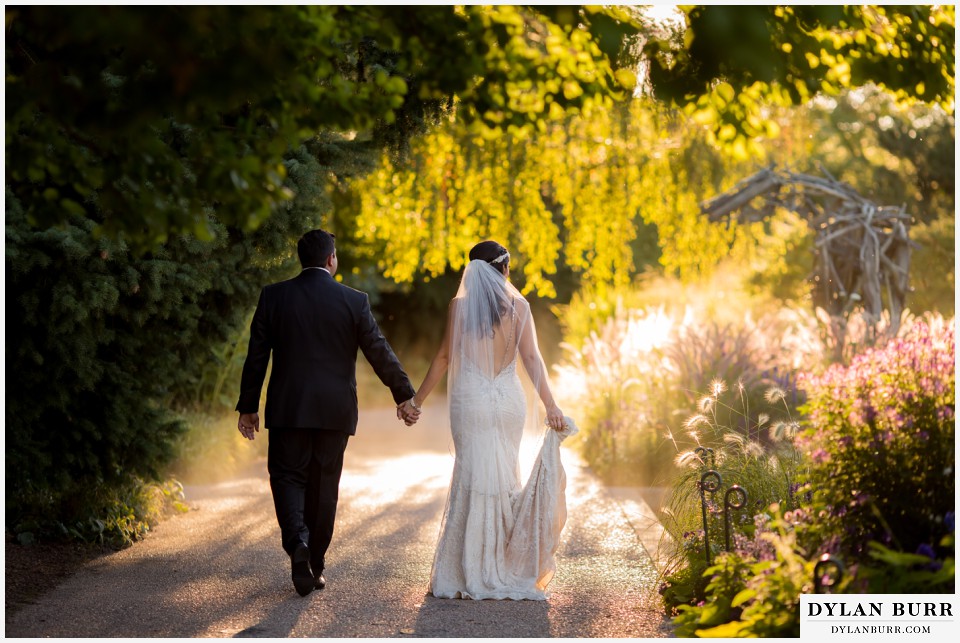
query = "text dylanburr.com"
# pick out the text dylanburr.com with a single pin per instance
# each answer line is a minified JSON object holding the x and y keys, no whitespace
{"x":915,"y":616}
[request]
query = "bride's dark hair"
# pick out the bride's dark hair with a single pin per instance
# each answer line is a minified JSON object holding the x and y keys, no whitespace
{"x":490,"y":251}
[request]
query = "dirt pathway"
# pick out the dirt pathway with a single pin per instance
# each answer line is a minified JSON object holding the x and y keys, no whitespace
{"x":218,"y":570}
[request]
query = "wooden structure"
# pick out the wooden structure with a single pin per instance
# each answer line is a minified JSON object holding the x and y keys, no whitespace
{"x":862,"y":251}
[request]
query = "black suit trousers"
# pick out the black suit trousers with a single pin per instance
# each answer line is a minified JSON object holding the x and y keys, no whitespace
{"x":305,"y":466}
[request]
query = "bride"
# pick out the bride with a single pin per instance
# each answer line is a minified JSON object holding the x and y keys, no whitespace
{"x":498,"y":537}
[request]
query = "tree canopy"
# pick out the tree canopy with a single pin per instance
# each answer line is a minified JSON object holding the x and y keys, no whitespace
{"x":577,"y":193}
{"x":149,"y":133}
{"x":150,"y":118}
{"x":585,"y":195}
{"x":727,"y":64}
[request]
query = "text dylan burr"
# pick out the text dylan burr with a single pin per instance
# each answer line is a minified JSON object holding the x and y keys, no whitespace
{"x":877,"y":609}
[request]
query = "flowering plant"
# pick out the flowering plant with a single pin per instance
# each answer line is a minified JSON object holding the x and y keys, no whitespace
{"x":880,"y":440}
{"x":874,"y":483}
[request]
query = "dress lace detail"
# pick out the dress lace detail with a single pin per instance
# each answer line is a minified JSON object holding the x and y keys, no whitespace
{"x":498,"y":538}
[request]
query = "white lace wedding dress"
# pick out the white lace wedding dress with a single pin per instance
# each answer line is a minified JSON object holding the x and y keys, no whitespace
{"x":498,"y":536}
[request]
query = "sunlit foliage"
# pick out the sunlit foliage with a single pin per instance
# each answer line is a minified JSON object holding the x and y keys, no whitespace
{"x":144,"y":116}
{"x":728,"y":64}
{"x":574,"y":195}
{"x":880,"y":434}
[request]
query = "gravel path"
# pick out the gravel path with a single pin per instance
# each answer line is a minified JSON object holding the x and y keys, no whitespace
{"x":218,"y":570}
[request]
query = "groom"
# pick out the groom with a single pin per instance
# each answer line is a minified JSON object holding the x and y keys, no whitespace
{"x":314,"y":326}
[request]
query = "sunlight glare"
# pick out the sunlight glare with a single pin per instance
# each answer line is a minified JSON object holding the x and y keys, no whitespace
{"x":386,"y":480}
{"x":668,"y":15}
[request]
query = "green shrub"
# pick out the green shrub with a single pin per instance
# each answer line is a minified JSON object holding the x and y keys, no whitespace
{"x":895,"y":572}
{"x":115,"y":515}
{"x":107,"y":348}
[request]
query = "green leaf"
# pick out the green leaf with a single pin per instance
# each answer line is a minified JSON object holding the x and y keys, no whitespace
{"x":742,"y":597}
{"x":626,"y":78}
{"x":716,"y":612}
{"x":726,"y":631}
{"x":896,"y":558}
{"x":72,"y":207}
{"x":725,"y":91}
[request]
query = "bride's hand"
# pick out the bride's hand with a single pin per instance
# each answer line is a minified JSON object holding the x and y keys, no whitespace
{"x":407,"y":412}
{"x":554,"y":417}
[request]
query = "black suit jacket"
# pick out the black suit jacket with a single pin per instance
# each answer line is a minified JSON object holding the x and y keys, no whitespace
{"x":314,"y":326}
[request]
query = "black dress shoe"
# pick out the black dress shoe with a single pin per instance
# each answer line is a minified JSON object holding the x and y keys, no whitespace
{"x":319,"y":582}
{"x":300,"y":569}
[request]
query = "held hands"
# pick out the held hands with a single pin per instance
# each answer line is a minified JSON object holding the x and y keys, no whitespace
{"x":409,"y":412}
{"x":249,"y":423}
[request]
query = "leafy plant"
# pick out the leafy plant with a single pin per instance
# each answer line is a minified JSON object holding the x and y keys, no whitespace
{"x":113,"y":516}
{"x":880,"y":439}
{"x":887,"y":571}
{"x":811,"y":50}
{"x":754,"y":598}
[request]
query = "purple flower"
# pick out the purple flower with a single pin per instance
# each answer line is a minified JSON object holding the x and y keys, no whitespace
{"x":926,"y":550}
{"x":905,"y":422}
{"x":948,"y":520}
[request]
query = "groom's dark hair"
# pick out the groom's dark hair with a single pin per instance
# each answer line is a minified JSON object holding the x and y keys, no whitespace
{"x":314,"y":247}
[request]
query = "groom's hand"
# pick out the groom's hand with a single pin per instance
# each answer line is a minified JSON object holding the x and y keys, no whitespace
{"x":249,"y":423}
{"x":408,"y":413}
